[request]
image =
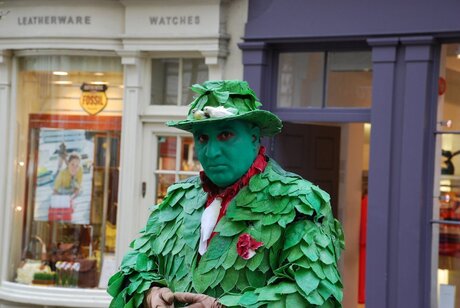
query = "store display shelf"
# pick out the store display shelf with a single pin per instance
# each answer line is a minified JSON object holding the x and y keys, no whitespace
{"x":452,"y":132}
{"x":450,"y":177}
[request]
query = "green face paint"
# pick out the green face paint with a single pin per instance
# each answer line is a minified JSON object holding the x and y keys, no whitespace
{"x":226,"y":149}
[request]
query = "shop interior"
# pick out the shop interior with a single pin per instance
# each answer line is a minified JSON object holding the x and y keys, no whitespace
{"x":446,"y":196}
{"x":66,"y":179}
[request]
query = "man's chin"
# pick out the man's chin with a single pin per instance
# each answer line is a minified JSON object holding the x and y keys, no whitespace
{"x":221,"y":180}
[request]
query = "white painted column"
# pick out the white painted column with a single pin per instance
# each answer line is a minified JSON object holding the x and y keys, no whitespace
{"x":129,"y":216}
{"x":215,"y":64}
{"x":5,"y":94}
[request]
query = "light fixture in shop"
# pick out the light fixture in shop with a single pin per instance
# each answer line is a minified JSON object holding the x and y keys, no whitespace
{"x":60,"y":73}
{"x":62,"y":82}
{"x":99,"y":82}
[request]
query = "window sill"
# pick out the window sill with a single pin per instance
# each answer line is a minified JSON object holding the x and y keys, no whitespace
{"x":53,"y":296}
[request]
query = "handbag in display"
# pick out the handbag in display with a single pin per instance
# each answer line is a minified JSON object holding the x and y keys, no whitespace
{"x":66,"y":252}
{"x":87,"y":276}
{"x":61,"y":208}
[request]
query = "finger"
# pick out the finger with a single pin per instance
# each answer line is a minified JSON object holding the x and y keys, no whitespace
{"x":186,"y":297}
{"x":167,"y":296}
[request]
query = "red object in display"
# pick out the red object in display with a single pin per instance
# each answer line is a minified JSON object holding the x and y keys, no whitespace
{"x":60,"y":214}
{"x":362,"y":252}
{"x":442,"y":86}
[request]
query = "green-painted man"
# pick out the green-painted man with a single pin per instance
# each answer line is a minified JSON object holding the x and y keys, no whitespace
{"x":243,"y":233}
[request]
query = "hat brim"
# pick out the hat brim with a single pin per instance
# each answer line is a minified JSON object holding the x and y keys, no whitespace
{"x":268,"y":123}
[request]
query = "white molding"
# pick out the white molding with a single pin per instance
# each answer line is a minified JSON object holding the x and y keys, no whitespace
{"x":93,"y":43}
{"x":166,"y":111}
{"x":217,"y":44}
{"x":65,"y":52}
{"x":5,"y":142}
{"x":54,"y":296}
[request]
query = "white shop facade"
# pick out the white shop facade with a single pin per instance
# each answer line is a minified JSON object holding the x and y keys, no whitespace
{"x":88,"y":85}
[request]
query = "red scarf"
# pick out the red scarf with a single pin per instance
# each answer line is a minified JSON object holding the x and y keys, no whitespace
{"x":213,"y":191}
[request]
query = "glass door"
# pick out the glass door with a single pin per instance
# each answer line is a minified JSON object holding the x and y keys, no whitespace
{"x":168,"y":157}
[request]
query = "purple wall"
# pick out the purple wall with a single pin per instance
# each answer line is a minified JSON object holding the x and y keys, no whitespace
{"x":405,"y":38}
{"x":326,"y":18}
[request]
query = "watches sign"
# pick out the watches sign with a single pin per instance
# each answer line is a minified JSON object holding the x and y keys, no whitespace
{"x":93,"y":98}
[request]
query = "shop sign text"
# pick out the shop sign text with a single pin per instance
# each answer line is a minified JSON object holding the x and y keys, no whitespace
{"x":54,"y":20}
{"x":93,"y":98}
{"x":174,"y":20}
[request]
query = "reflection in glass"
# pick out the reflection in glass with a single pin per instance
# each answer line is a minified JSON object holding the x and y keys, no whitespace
{"x":165,"y":78}
{"x":167,"y":153}
{"x":349,"y":79}
{"x":189,"y":161}
{"x":170,"y":75}
{"x":300,"y":79}
{"x":194,"y":71}
{"x":163,"y":182}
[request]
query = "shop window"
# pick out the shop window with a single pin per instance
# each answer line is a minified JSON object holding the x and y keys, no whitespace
{"x":324,"y":79}
{"x":172,"y":78}
{"x":68,"y":152}
{"x":446,"y":227}
{"x":176,"y":161}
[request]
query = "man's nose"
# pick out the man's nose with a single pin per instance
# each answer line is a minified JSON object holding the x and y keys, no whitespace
{"x":213,"y":149}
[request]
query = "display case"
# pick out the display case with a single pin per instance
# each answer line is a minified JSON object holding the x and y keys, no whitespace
{"x":447,"y":216}
{"x":71,"y":199}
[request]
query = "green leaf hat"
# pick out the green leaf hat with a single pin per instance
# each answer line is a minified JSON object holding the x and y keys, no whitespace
{"x":225,"y":100}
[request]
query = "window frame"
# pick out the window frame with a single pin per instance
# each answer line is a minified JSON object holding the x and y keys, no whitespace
{"x":313,"y":114}
{"x":167,"y":111}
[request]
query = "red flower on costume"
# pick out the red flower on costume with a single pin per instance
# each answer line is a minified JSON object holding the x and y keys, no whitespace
{"x":246,"y":246}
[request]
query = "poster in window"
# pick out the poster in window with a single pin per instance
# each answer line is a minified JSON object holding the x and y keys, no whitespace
{"x":64,"y":176}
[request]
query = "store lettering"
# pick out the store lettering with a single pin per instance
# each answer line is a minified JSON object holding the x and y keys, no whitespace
{"x":93,"y":100}
{"x":54,"y":20}
{"x":174,"y":20}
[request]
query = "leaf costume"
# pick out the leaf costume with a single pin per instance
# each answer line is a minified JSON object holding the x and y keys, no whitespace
{"x":297,"y":263}
{"x":277,"y":245}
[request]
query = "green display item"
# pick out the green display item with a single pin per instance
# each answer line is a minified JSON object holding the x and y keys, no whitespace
{"x":296,"y":265}
{"x":225,"y":100}
{"x":226,"y":150}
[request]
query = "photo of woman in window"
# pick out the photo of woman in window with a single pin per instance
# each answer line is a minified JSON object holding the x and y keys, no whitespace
{"x":69,"y":179}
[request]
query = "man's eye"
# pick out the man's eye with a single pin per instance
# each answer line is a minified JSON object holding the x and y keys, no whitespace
{"x":225,"y":136}
{"x":203,"y":138}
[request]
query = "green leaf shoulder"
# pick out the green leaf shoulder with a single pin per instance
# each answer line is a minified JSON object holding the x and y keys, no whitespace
{"x":141,"y":267}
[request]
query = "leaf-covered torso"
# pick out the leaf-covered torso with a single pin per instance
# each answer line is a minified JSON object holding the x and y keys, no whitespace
{"x":297,"y":263}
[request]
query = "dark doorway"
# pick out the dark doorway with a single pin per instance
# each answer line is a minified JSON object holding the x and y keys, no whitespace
{"x":312,"y":151}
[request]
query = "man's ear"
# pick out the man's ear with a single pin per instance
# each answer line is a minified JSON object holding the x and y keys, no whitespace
{"x":255,"y":133}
